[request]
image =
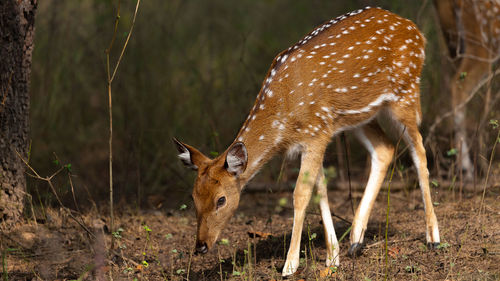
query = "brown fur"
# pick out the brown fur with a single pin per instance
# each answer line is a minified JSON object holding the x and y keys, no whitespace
{"x":471,"y":29}
{"x":339,"y":77}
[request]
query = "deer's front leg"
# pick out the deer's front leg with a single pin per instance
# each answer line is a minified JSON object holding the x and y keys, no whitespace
{"x":332,"y":244}
{"x":310,"y":167}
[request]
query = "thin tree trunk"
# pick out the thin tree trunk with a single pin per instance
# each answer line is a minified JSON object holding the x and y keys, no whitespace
{"x":17,"y":20}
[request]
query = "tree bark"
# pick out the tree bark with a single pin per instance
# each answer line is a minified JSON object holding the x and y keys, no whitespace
{"x":17,"y":25}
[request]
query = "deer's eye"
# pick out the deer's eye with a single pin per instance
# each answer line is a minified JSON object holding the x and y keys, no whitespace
{"x":221,"y":201}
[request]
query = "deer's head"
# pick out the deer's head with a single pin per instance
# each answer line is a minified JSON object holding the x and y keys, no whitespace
{"x":217,"y":188}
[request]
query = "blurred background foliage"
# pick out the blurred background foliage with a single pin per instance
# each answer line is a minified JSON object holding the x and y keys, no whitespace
{"x":192,"y":70}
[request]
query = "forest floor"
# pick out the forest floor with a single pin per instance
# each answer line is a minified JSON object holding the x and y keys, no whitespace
{"x":158,"y":244}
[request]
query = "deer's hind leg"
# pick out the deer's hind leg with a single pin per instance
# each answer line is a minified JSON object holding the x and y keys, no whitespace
{"x":381,"y":152}
{"x":409,"y":127}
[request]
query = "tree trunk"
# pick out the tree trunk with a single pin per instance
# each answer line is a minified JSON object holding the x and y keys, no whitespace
{"x":17,"y":18}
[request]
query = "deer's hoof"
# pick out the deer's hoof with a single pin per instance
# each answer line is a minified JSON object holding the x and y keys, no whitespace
{"x":433,"y":245}
{"x":355,"y":250}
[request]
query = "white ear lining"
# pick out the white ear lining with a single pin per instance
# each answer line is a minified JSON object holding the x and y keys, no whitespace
{"x":185,"y":157}
{"x":236,"y":159}
{"x":234,"y":164}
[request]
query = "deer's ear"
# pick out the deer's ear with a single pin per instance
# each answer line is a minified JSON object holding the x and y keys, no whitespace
{"x":189,"y":156}
{"x":236,"y":159}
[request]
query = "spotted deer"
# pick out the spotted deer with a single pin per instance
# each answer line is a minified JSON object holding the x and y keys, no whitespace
{"x":341,"y":76}
{"x":471,"y":29}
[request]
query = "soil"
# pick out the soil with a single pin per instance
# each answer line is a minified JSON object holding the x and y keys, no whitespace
{"x":158,"y":244}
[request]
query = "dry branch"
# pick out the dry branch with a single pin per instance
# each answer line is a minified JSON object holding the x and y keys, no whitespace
{"x":440,"y":119}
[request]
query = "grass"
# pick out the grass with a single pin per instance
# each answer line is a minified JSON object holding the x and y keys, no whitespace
{"x":154,"y":246}
{"x":5,"y":274}
{"x":167,"y":246}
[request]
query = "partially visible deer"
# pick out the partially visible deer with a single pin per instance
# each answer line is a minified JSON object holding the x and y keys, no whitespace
{"x":341,"y":76}
{"x":471,"y":30}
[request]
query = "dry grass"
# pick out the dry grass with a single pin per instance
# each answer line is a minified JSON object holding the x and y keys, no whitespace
{"x":153,"y":245}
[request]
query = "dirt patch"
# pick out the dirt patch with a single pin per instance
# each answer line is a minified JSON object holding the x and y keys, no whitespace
{"x":158,"y":245}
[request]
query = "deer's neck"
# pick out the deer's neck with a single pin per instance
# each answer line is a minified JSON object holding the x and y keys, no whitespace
{"x":262,"y":133}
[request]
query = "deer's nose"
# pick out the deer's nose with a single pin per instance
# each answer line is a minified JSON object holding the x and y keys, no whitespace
{"x":201,"y":248}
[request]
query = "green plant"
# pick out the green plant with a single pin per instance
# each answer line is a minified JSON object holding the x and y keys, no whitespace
{"x":311,"y":249}
{"x":451,"y":152}
{"x":281,"y":204}
{"x":412,"y":269}
{"x":330,"y":173}
{"x":118,"y":236}
{"x":345,"y":233}
{"x":435,"y":183}
{"x":312,"y":236}
{"x":148,"y":230}
{"x":494,"y":124}
{"x":88,"y":268}
{"x":180,"y":271}
{"x":443,"y":245}
{"x":462,"y":76}
{"x":118,"y":233}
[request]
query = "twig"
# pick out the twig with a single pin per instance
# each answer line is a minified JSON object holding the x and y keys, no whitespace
{"x":419,"y":14}
{"x":460,"y":247}
{"x":49,"y":182}
{"x":347,"y":156}
{"x":111,"y":77}
{"x":220,"y":264}
{"x":340,"y":218}
{"x":460,"y":106}
{"x":32,"y":208}
{"x":481,"y":59}
{"x":390,"y":242}
{"x":318,"y":214}
{"x":69,"y":211}
{"x":492,"y":155}
{"x":110,"y":112}
{"x":126,"y":41}
{"x":190,"y":260}
{"x":73,"y":192}
{"x":388,"y":206}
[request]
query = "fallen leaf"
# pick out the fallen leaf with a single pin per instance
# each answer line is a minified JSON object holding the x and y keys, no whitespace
{"x":138,"y":267}
{"x":393,"y":251}
{"x":327,"y":272}
{"x":259,"y":234}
